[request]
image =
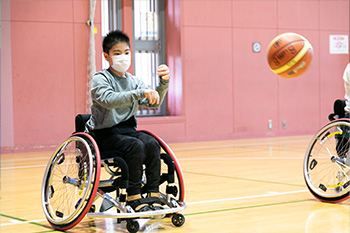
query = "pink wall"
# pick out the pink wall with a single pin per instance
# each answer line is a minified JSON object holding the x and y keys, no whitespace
{"x":229,"y":91}
{"x":220,"y":88}
{"x":49,"y":44}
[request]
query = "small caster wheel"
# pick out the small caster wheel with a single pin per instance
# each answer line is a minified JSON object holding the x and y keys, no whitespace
{"x":132,"y":226}
{"x":178,"y":220}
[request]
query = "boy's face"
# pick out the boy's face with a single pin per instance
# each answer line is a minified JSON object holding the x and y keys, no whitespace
{"x":117,"y":49}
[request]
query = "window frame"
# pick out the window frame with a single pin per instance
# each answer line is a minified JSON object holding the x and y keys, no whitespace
{"x":157,"y":46}
{"x":114,"y":12}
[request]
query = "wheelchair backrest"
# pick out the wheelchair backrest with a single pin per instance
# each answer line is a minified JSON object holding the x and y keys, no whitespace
{"x":338,"y":108}
{"x":80,"y":121}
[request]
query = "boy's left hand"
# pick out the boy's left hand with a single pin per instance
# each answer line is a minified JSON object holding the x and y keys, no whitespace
{"x":163,"y":71}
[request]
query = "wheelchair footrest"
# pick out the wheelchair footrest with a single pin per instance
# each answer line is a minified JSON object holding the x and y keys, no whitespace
{"x":146,"y":214}
{"x":106,"y":205}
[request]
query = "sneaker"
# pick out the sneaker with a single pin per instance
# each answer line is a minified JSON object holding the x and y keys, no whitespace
{"x":137,"y":203}
{"x":157,"y":206}
{"x":156,"y":202}
{"x":142,"y":208}
{"x":139,"y":207}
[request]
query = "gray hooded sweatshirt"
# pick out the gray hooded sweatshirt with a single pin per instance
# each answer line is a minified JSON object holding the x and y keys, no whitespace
{"x":115,"y":99}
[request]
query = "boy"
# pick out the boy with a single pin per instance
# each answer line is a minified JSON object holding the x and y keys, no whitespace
{"x":116,"y":95}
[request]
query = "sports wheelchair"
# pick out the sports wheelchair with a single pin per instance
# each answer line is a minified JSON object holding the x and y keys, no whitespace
{"x":72,"y":187}
{"x":327,"y":159}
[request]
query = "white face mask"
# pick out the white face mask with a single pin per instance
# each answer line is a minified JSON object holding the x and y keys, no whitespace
{"x":121,"y":63}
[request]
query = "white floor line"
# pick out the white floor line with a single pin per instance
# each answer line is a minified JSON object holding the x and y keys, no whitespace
{"x":238,"y":144}
{"x":14,"y":222}
{"x":240,"y":158}
{"x":9,"y":168}
{"x":27,"y":159}
{"x":248,"y":197}
{"x":17,"y":222}
{"x":184,"y":159}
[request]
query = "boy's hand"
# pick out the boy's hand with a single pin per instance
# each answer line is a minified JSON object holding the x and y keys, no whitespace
{"x":163,"y":71}
{"x":152,"y":96}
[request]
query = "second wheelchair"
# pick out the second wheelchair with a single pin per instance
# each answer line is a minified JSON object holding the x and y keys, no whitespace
{"x":327,"y":159}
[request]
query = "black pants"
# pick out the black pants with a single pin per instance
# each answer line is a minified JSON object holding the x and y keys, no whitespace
{"x":138,"y":148}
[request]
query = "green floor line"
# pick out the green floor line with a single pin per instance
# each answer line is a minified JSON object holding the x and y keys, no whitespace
{"x":22,"y":220}
{"x":244,"y":207}
{"x":48,"y":231}
{"x":34,"y":223}
{"x":237,"y":178}
{"x":38,"y":224}
{"x":53,"y":230}
{"x":189,"y":214}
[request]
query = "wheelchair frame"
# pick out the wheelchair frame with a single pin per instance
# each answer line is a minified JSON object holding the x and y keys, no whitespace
{"x":327,"y":159}
{"x":71,"y":185}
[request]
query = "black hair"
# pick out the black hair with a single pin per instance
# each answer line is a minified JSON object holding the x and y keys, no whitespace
{"x":112,"y":38}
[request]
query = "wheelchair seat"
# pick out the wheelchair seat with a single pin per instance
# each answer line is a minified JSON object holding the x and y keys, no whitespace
{"x":80,"y":122}
{"x":114,"y":159}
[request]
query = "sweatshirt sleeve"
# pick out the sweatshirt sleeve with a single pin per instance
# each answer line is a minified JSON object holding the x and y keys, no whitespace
{"x":103,"y":93}
{"x":162,"y":89}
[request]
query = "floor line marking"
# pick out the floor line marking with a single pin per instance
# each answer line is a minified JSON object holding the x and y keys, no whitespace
{"x":185,"y":159}
{"x":245,"y":207}
{"x":21,"y":167}
{"x":247,"y":197}
{"x":27,"y":159}
{"x":239,"y":178}
{"x":17,"y":222}
{"x":241,"y":144}
{"x":22,"y":221}
{"x":240,"y":158}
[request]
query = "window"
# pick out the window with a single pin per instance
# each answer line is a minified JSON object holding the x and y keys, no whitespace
{"x":111,"y":19}
{"x":148,"y":40}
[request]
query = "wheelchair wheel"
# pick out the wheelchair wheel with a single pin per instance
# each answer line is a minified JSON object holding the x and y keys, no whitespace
{"x":327,"y":163}
{"x":71,"y":180}
{"x":179,"y":180}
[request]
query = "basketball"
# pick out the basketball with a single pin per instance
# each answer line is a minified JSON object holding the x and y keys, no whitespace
{"x":289,"y":55}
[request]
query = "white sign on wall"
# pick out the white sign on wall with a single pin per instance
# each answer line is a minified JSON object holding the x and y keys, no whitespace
{"x":338,"y":44}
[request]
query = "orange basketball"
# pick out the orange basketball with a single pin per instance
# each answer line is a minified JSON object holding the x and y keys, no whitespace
{"x":289,"y":55}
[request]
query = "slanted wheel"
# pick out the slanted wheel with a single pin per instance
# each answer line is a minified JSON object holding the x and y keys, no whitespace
{"x":132,"y":226}
{"x":70,"y":181}
{"x":327,"y":162}
{"x":179,"y":187}
{"x":178,"y":219}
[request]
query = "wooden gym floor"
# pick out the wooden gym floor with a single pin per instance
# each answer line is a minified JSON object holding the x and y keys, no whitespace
{"x":250,"y":185}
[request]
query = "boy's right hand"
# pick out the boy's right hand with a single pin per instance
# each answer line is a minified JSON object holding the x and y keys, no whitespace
{"x":152,"y":96}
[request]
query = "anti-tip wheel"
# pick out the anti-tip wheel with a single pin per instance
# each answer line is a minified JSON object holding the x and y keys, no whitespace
{"x":132,"y":226}
{"x":178,"y":220}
